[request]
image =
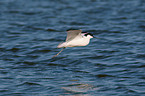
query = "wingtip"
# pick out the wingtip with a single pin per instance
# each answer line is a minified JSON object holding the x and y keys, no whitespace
{"x":72,"y":29}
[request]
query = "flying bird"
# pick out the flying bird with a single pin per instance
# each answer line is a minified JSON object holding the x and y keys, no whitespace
{"x":75,"y":38}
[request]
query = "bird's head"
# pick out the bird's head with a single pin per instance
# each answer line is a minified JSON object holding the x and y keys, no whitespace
{"x":88,"y":35}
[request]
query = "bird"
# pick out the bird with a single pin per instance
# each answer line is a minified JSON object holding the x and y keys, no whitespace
{"x":75,"y":38}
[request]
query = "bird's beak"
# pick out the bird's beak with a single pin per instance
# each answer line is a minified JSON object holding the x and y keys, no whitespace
{"x":95,"y":37}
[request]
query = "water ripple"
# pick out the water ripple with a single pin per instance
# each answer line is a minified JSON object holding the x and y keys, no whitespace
{"x":112,"y":65}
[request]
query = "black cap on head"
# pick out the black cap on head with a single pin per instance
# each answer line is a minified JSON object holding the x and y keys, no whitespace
{"x":89,"y":34}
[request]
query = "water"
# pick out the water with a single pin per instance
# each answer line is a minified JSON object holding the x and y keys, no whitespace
{"x":113,"y":65}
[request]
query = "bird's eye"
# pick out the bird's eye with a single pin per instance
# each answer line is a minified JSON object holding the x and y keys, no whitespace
{"x":85,"y":34}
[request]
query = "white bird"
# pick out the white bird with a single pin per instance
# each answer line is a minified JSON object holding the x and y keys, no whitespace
{"x":75,"y":38}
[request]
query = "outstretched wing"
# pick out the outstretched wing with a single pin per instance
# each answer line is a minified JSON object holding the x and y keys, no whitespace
{"x":71,"y":34}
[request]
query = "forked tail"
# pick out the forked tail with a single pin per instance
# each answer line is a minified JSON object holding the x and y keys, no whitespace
{"x":58,"y":53}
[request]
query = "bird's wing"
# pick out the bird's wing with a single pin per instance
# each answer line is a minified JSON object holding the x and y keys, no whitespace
{"x":71,"y":34}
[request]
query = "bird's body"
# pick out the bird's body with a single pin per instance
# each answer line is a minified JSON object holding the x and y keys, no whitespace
{"x":75,"y":38}
{"x":74,"y":43}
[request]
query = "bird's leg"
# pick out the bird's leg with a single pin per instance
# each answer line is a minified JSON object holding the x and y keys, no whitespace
{"x":58,"y":53}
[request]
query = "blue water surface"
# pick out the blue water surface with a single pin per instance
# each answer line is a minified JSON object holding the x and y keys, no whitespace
{"x":112,"y":65}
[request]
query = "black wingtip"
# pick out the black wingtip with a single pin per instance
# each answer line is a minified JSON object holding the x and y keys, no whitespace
{"x":72,"y":29}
